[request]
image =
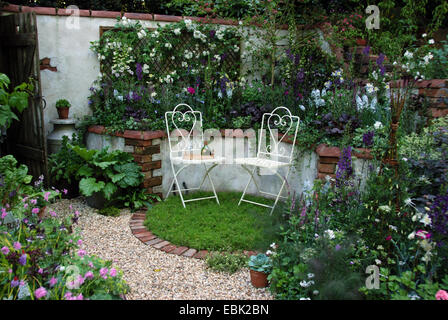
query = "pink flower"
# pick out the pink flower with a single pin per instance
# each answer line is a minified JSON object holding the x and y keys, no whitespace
{"x":89,"y":275}
{"x":80,"y":280}
{"x":33,"y":201}
{"x":79,"y":242}
{"x":65,"y":191}
{"x":5,"y":250}
{"x":53,"y":214}
{"x":90,"y":264}
{"x":113,"y":272}
{"x":46,"y":195}
{"x":388,"y":238}
{"x":103,"y":272}
{"x":80,"y":297}
{"x":39,"y":293}
{"x":53,"y":281}
{"x":191,"y":90}
{"x":17,"y":245}
{"x":76,"y":213}
{"x":442,"y":295}
{"x":81,"y":253}
{"x":40,"y":271}
{"x":35,"y":210}
{"x":25,"y":205}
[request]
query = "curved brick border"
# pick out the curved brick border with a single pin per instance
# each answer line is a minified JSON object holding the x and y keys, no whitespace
{"x":141,"y":233}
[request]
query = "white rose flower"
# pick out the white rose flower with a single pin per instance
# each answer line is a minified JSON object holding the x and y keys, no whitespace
{"x":431,"y":41}
{"x":177,"y":31}
{"x":378,"y":125}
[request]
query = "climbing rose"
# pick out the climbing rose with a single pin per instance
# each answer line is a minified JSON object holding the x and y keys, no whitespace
{"x":191,"y":90}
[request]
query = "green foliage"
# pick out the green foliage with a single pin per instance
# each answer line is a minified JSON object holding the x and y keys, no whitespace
{"x":65,"y":164}
{"x":16,"y":100}
{"x":110,"y":211}
{"x":226,"y":262}
{"x":63,"y":103}
{"x":14,"y":180}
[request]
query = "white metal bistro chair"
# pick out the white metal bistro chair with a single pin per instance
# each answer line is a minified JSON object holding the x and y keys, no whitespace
{"x":186,"y":147}
{"x":271,"y":155}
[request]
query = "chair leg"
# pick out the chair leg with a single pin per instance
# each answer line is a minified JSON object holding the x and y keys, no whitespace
{"x":177,"y":183}
{"x":280,"y":192}
{"x":247,"y":185}
{"x":211,"y":182}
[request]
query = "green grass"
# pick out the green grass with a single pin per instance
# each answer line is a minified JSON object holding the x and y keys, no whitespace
{"x":206,"y":225}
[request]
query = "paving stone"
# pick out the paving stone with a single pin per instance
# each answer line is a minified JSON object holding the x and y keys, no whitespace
{"x":201,"y":254}
{"x":179,"y":250}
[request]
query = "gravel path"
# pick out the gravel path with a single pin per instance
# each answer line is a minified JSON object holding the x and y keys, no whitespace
{"x":151,"y":273}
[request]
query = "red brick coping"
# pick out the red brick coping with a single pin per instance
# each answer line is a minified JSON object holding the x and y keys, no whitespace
{"x":114,"y":14}
{"x":141,"y":233}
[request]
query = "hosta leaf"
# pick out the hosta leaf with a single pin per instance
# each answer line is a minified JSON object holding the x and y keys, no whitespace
{"x":104,"y":164}
{"x":88,"y":186}
{"x":85,"y":171}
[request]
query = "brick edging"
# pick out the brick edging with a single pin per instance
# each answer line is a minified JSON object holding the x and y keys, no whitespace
{"x":139,"y":230}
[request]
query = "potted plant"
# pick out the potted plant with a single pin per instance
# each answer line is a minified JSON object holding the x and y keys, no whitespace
{"x":260,"y":266}
{"x":63,"y":107}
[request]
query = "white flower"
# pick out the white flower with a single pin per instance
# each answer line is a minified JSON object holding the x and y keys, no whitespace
{"x":153,"y":94}
{"x":177,"y":31}
{"x":236,"y":48}
{"x":431,"y":41}
{"x":378,"y":125}
{"x":408,"y":54}
{"x":269,"y":252}
{"x":197,"y":34}
{"x":424,"y":35}
{"x":302,"y":107}
{"x":141,"y":34}
{"x":168,"y":45}
{"x":310,"y":275}
{"x":155,"y":34}
{"x":145,"y":68}
{"x":377,"y":261}
{"x":327,"y":84}
{"x":330,"y":234}
{"x":272,"y":245}
{"x":384,"y":208}
{"x":184,"y":64}
{"x":205,"y":53}
{"x":305,"y":299}
{"x":316,"y":292}
{"x":426,"y":220}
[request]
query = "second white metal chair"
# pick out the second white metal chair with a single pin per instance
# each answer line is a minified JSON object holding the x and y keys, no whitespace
{"x":271,"y":155}
{"x":187,"y":150}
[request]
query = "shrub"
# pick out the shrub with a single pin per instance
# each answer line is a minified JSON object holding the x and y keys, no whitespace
{"x":226,"y":262}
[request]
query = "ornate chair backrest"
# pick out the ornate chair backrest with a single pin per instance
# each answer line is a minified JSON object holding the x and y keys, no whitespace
{"x":275,"y":128}
{"x":186,"y":126}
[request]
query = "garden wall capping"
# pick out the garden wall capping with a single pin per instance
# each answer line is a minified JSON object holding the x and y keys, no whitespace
{"x":115,"y":14}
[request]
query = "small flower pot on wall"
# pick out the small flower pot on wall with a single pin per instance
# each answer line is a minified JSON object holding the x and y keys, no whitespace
{"x":63,"y":112}
{"x":258,"y":279}
{"x":361,"y":42}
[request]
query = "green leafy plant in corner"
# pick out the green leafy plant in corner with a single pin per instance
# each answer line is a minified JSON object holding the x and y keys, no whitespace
{"x":114,"y":174}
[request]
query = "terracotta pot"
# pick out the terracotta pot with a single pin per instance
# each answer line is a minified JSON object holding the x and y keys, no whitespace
{"x":258,"y":279}
{"x":361,"y":42}
{"x":41,"y":213}
{"x":63,"y":112}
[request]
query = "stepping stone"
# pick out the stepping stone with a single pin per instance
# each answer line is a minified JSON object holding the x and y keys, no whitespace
{"x":160,"y":245}
{"x":179,"y":250}
{"x":189,"y":253}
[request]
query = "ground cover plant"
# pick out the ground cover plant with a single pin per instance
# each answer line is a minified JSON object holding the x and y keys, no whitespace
{"x":207,"y":225}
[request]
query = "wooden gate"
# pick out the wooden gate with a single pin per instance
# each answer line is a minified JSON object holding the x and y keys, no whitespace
{"x":19,"y":60}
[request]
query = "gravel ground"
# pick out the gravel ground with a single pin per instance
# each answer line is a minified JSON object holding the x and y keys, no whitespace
{"x":151,"y":273}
